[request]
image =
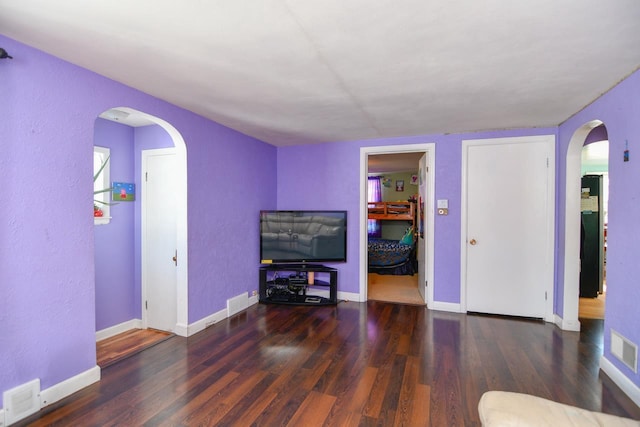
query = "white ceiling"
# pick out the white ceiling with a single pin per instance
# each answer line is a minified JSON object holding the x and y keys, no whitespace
{"x":301,"y":71}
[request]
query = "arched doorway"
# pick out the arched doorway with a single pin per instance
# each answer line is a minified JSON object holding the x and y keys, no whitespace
{"x":132,"y":117}
{"x":571,"y":277}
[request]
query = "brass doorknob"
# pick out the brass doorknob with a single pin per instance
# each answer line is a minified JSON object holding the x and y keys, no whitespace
{"x":472,"y":242}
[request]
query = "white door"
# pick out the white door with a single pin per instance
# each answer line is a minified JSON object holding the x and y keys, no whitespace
{"x":508,"y":210}
{"x":159,"y":239}
{"x":423,"y":176}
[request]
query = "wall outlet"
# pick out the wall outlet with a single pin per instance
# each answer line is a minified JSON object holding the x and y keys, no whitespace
{"x":254,"y":293}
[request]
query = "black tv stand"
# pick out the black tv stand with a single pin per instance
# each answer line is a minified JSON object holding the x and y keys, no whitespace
{"x":298,"y":284}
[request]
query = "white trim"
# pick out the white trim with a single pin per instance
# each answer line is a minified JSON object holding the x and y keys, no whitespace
{"x":566,"y":325}
{"x":571,"y":279}
{"x":253,"y":300}
{"x":205,"y":322}
{"x":118,"y":329}
{"x":550,"y":215}
{"x":202,"y":324}
{"x":180,"y":198}
{"x":349,"y":296}
{"x":446,"y":306}
{"x":430,"y":149}
{"x":622,"y":381}
{"x":69,"y":386}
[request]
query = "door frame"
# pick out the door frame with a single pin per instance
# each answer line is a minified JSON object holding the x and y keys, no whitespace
{"x":430,"y":150}
{"x":182,"y":303}
{"x":550,"y":215}
{"x":571,"y":280}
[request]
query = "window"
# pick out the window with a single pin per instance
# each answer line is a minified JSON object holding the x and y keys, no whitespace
{"x":374,"y":194}
{"x":101,"y":209}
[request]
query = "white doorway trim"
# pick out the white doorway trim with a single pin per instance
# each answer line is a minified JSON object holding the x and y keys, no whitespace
{"x":430,"y":149}
{"x":182,"y":302}
{"x":571,"y":280}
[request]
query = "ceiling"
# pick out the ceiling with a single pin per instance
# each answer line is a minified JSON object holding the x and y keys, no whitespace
{"x":300,"y":71}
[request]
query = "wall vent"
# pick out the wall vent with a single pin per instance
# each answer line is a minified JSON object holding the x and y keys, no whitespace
{"x":237,"y":304}
{"x":21,"y":401}
{"x":624,"y":350}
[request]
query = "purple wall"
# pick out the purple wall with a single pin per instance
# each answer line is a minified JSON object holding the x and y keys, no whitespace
{"x":332,"y":181}
{"x":47,"y":270}
{"x":619,"y":109}
{"x":114,"y":242}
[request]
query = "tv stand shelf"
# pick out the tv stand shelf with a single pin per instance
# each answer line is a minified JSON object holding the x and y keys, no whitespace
{"x":298,"y":284}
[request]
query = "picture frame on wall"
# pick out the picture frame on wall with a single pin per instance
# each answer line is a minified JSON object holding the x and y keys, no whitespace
{"x":400,"y":185}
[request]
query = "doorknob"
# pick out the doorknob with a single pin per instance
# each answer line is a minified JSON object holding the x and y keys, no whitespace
{"x":175,"y":258}
{"x":472,"y":242}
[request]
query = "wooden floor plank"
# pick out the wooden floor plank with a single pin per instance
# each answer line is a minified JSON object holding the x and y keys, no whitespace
{"x":371,"y":363}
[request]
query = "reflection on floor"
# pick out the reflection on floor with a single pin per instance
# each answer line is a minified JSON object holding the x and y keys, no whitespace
{"x":400,"y":289}
{"x":121,"y":346}
{"x":592,"y":308}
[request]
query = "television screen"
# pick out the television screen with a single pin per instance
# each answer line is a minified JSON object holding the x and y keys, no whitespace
{"x":303,"y":236}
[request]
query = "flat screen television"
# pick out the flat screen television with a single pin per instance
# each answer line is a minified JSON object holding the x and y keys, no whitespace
{"x":303,"y":236}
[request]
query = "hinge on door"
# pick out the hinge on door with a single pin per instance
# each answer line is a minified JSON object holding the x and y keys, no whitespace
{"x":547,"y":162}
{"x":545,"y":295}
{"x":146,"y":305}
{"x":146,"y":176}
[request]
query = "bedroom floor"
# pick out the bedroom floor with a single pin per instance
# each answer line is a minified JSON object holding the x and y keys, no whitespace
{"x":398,"y":289}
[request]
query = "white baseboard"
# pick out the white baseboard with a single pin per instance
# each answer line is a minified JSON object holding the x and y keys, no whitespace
{"x":181,"y":330}
{"x":202,"y":324}
{"x":566,"y":325}
{"x":625,"y":384}
{"x":118,"y":329}
{"x":253,"y":300}
{"x":446,"y":306}
{"x":69,"y":386}
{"x":349,"y":296}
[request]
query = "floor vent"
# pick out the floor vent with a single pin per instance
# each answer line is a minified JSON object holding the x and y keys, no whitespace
{"x":237,"y":304}
{"x":624,"y":350}
{"x":21,"y":401}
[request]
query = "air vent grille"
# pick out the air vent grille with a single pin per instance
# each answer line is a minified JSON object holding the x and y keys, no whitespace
{"x":624,"y":350}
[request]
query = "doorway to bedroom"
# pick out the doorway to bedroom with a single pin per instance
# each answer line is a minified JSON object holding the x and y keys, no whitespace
{"x":395,"y":206}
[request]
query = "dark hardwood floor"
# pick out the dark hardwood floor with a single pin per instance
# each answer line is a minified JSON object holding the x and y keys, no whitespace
{"x":114,"y":349}
{"x":369,"y":363}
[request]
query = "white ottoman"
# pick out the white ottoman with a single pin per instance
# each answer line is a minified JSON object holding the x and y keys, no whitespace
{"x":502,"y":408}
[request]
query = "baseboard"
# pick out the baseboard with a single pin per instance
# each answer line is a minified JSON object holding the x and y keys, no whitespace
{"x":566,"y":325}
{"x":118,"y":329}
{"x":253,"y":300}
{"x":625,"y":384}
{"x":446,"y":306}
{"x":349,"y":296}
{"x":69,"y":386}
{"x":202,"y":324}
{"x":181,"y":330}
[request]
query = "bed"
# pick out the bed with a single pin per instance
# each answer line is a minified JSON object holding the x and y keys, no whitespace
{"x":392,"y":257}
{"x":397,"y":257}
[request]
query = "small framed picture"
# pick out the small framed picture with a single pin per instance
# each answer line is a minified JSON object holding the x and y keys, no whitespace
{"x":123,"y":192}
{"x":400,"y":185}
